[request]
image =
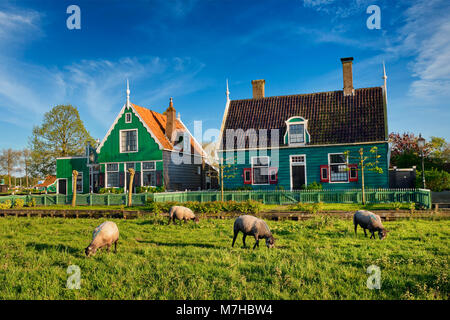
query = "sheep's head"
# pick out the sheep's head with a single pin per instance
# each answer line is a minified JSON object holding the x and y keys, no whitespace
{"x":270,"y":242}
{"x":382,"y":233}
{"x":90,"y":251}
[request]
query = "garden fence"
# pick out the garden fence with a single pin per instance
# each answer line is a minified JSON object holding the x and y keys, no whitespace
{"x":419,"y":196}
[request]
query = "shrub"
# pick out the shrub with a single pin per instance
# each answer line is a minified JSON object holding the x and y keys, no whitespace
{"x":31,"y":203}
{"x":150,"y":189}
{"x":5,"y":204}
{"x":396,"y":205}
{"x":435,"y":180}
{"x":313,"y":186}
{"x":18,"y":203}
{"x":308,"y":207}
{"x":412,"y":207}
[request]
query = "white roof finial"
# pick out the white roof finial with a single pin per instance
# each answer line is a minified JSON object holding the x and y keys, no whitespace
{"x":384,"y":75}
{"x":128,"y":94}
{"x":228,"y":92}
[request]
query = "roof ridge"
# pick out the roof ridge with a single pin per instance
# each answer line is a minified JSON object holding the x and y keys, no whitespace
{"x":302,"y":94}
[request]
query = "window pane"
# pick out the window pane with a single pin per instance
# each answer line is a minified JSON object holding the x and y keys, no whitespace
{"x":148,"y":166}
{"x":260,"y":175}
{"x":338,"y":173}
{"x":112,"y":167}
{"x":296,"y":133}
{"x":113,"y":179}
{"x":337,"y":158}
{"x":149,"y":178}
{"x":80,"y":183}
{"x":130,"y":165}
{"x":128,"y":141}
{"x":260,"y":161}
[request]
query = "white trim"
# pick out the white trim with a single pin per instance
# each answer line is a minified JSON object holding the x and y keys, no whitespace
{"x":297,"y":164}
{"x":117,"y":120}
{"x":222,"y":127}
{"x":82,"y":182}
{"x":305,"y":131}
{"x":73,"y":157}
{"x":57,"y":185}
{"x":307,"y":146}
{"x":120,"y":140}
{"x":126,"y":116}
{"x":329,"y":168}
{"x":253,"y":175}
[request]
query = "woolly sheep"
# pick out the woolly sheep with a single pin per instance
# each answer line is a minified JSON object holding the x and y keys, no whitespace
{"x":252,"y":226}
{"x":371,"y":221}
{"x":181,"y":213}
{"x":104,"y":235}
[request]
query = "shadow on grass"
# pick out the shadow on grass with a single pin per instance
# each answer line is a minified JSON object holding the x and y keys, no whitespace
{"x":53,"y":247}
{"x":175,"y":244}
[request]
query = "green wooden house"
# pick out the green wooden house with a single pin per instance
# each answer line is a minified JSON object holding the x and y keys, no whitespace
{"x":289,"y":142}
{"x":157,"y":146}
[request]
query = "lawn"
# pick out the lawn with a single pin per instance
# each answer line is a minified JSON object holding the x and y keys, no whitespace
{"x":314,"y":259}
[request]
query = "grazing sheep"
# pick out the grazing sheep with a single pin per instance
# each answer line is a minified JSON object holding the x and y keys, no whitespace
{"x":104,"y":235}
{"x":252,"y":226}
{"x":181,"y":213}
{"x":371,"y":221}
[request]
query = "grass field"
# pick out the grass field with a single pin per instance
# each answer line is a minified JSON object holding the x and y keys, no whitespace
{"x":314,"y":259}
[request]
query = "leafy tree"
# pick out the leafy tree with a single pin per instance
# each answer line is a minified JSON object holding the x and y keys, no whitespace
{"x":9,"y":160}
{"x":367,"y":162}
{"x":61,"y":134}
{"x":26,"y":163}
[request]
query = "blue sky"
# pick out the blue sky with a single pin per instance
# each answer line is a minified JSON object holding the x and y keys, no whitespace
{"x":187,"y":50}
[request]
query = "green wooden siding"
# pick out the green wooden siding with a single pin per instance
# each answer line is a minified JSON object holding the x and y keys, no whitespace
{"x":64,"y":169}
{"x":315,"y":157}
{"x":148,"y":149}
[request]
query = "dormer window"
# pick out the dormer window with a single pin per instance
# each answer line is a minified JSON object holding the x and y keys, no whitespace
{"x":296,"y":132}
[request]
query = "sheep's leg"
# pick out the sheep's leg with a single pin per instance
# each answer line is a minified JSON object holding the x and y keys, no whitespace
{"x":243,"y":240}
{"x":234,"y":238}
{"x":256,"y":242}
{"x":115,"y":246}
{"x":373,"y":235}
{"x":365,"y":232}
{"x":356,"y":226}
{"x":170,"y":219}
{"x":108,"y":247}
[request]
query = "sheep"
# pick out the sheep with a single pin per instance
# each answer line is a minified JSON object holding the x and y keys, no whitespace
{"x":104,"y":235}
{"x":371,"y":221}
{"x":181,"y":213}
{"x":252,"y":226}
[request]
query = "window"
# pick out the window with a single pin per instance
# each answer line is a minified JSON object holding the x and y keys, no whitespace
{"x":199,"y":170}
{"x":324,"y":173}
{"x":128,"y":140}
{"x":260,"y":169}
{"x":80,"y":182}
{"x":296,"y":133}
{"x":128,"y":117}
{"x":338,"y":168}
{"x":148,"y":174}
{"x":130,"y":165}
{"x":353,"y":172}
{"x":273,"y":175}
{"x":247,"y":176}
{"x":112,"y":171}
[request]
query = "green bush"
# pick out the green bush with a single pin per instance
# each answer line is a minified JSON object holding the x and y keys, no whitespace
{"x":150,"y":189}
{"x":5,"y":204}
{"x":18,"y":203}
{"x":31,"y":203}
{"x":312,"y":186}
{"x":396,"y":205}
{"x":435,"y":180}
{"x":308,"y":207}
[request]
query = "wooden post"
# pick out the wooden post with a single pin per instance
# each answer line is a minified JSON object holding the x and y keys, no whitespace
{"x":74,"y":187}
{"x":130,"y":189}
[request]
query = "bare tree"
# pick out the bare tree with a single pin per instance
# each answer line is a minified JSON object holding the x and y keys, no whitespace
{"x":26,"y":162}
{"x":9,"y":159}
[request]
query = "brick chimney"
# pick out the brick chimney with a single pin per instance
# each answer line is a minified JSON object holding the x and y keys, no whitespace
{"x":348,"y":75}
{"x":258,"y":88}
{"x":170,"y":123}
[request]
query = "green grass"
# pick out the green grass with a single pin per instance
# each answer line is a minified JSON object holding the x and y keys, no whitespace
{"x":314,"y":259}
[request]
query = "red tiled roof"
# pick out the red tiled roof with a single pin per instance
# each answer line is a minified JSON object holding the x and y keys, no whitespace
{"x":157,"y":124}
{"x":49,"y":180}
{"x":332,"y":117}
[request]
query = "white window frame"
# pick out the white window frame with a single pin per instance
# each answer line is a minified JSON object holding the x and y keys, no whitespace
{"x":142,"y":172}
{"x":80,"y":174}
{"x":253,"y":175}
{"x":128,"y":114}
{"x":329,"y":168}
{"x":305,"y":131}
{"x":107,"y":171}
{"x":297,"y":164}
{"x":120,"y":141}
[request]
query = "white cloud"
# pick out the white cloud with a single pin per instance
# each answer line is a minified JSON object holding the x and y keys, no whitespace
{"x":18,"y":26}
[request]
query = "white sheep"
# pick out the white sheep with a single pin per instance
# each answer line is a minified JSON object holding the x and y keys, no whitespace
{"x":252,"y":226}
{"x":181,"y":213}
{"x":371,"y":221}
{"x":104,"y":235}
